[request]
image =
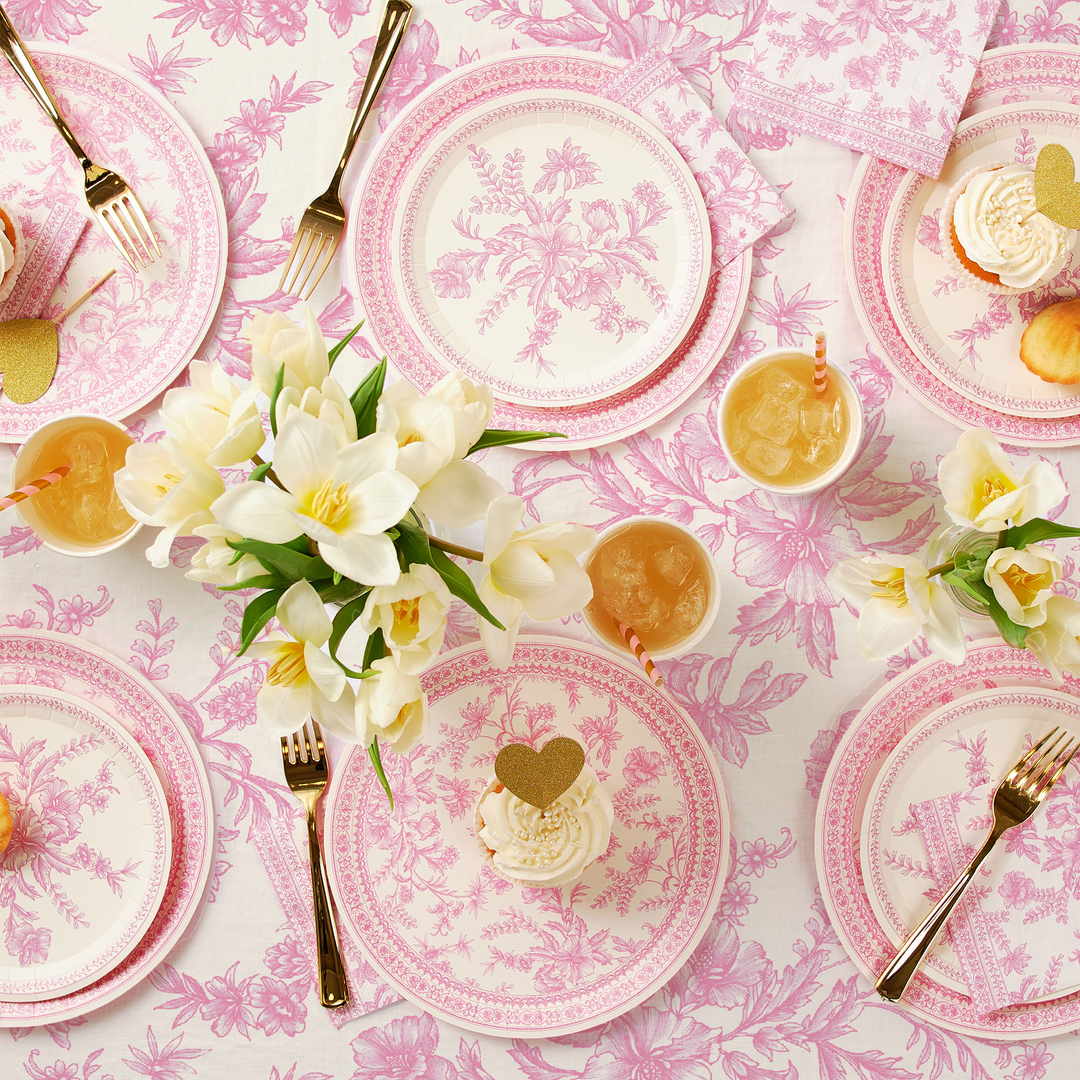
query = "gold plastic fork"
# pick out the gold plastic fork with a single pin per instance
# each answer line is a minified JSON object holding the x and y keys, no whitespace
{"x":1018,"y":796}
{"x":306,"y":774}
{"x":321,"y":227}
{"x":108,"y":194}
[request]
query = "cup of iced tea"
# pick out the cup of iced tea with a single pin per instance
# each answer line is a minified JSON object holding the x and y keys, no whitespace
{"x":80,"y":514}
{"x":782,"y":435}
{"x":657,"y":578}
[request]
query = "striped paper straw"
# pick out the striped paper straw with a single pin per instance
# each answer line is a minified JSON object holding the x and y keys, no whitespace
{"x":34,"y":486}
{"x":644,"y":659}
{"x":821,"y":377}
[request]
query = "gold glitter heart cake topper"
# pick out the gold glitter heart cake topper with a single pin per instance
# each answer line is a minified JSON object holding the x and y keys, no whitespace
{"x":1057,"y":194}
{"x":540,"y":778}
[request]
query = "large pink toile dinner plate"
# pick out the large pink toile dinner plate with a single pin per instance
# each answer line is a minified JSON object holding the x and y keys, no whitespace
{"x":880,"y":726}
{"x":49,"y":660}
{"x":373,"y":262}
{"x":442,"y":928}
{"x":135,"y":335}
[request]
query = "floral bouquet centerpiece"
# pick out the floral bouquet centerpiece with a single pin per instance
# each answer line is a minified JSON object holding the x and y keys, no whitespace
{"x":339,"y":517}
{"x":995,"y":564}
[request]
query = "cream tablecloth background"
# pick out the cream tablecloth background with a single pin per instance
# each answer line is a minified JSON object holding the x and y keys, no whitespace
{"x":264,"y":83}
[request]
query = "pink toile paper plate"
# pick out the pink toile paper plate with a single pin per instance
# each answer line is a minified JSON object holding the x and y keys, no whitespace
{"x":442,"y":928}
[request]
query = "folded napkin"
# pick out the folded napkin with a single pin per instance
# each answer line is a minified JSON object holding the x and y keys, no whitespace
{"x":1014,"y":931}
{"x":742,"y":205}
{"x":50,"y":229}
{"x":887,"y":79}
{"x":282,"y":844}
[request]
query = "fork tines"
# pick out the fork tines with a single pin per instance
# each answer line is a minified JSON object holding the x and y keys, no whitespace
{"x":294,"y":750}
{"x":124,"y":220}
{"x":312,"y":252}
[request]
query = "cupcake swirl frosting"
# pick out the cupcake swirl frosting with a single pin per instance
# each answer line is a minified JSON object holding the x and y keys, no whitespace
{"x":988,"y":219}
{"x":550,"y":846}
{"x":7,"y":254}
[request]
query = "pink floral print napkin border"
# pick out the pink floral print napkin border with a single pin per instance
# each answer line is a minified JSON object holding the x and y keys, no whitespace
{"x":51,"y":229}
{"x":888,"y":79}
{"x":280,"y":841}
{"x":1013,"y":932}
{"x":742,"y":205}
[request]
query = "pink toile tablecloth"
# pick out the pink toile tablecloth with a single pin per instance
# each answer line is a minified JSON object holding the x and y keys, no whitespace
{"x":769,"y":994}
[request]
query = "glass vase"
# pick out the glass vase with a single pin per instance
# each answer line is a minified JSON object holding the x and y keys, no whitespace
{"x":945,"y":545}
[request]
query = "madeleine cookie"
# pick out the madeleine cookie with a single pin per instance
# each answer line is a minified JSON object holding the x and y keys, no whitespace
{"x":6,"y":823}
{"x":1050,"y":347}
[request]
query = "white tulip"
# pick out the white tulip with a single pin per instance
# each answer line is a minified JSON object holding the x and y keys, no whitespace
{"x":981,"y":488}
{"x":302,"y":680}
{"x":390,"y":706}
{"x":276,"y":340}
{"x":1054,"y":641}
{"x":1023,"y":581}
{"x":343,"y":499}
{"x":328,"y":403}
{"x":471,"y":405}
{"x":216,"y":563}
{"x":897,"y":601}
{"x":213,"y":416}
{"x":412,"y":616}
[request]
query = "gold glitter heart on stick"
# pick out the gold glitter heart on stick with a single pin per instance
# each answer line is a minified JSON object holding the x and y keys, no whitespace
{"x":1057,"y":194}
{"x":540,"y":778}
{"x":28,"y":352}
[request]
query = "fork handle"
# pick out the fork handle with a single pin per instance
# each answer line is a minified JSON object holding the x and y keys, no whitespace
{"x":15,"y":52}
{"x":395,"y":21}
{"x":333,"y":989}
{"x":895,"y":978}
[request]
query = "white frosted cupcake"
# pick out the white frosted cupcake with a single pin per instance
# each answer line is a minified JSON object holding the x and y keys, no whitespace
{"x":12,"y":252}
{"x":994,"y":237}
{"x":553,"y":846}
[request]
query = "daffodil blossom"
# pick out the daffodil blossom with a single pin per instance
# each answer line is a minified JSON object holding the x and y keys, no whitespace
{"x":1023,"y":581}
{"x":536,"y":568}
{"x":302,"y":680}
{"x":276,"y":341}
{"x":981,"y":488}
{"x":412,"y":616}
{"x":216,"y":562}
{"x":897,"y":601}
{"x":164,"y":484}
{"x":390,"y":706}
{"x":1054,"y":641}
{"x":343,"y":499}
{"x":329,"y":403}
{"x":214,"y":417}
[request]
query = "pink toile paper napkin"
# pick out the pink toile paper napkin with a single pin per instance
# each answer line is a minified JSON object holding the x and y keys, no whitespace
{"x":1014,"y":931}
{"x":887,"y":79}
{"x":282,"y":844}
{"x":743,"y":207}
{"x":50,"y":229}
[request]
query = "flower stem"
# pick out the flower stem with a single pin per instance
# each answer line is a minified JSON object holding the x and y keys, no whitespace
{"x":455,"y":549}
{"x":941,"y":568}
{"x":269,"y":474}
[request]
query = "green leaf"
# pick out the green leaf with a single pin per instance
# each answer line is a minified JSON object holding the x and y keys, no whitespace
{"x":260,"y":581}
{"x":299,"y":543}
{"x":257,"y":614}
{"x":366,"y":397}
{"x":335,"y":352}
{"x":341,"y":593}
{"x":965,"y":584}
{"x":375,"y":648}
{"x":279,"y":382}
{"x":1014,"y":635}
{"x":376,"y":760}
{"x":1035,"y":531}
{"x":500,"y":437}
{"x":260,"y":471}
{"x":460,"y":584}
{"x":319,"y":571}
{"x":342,"y":621}
{"x":276,"y":557}
{"x":413,"y":544}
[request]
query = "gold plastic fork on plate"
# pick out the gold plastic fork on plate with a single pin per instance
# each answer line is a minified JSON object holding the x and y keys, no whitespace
{"x":107,"y":193}
{"x":306,"y":774}
{"x":1018,"y":796}
{"x":321,"y":228}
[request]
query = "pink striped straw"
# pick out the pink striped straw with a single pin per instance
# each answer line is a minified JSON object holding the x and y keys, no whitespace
{"x":644,"y":659}
{"x":821,"y":377}
{"x":34,"y":486}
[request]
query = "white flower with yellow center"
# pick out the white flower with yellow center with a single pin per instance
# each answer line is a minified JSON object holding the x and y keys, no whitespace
{"x":302,"y":680}
{"x":343,"y":499}
{"x":535,"y":571}
{"x":471,"y":405}
{"x":1054,"y":641}
{"x":277,"y":341}
{"x":412,"y":616}
{"x":390,"y":706}
{"x":214,"y":417}
{"x":1023,"y":581}
{"x":896,"y":602}
{"x":981,"y":488}
{"x":328,"y":403}
{"x":165,"y":485}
